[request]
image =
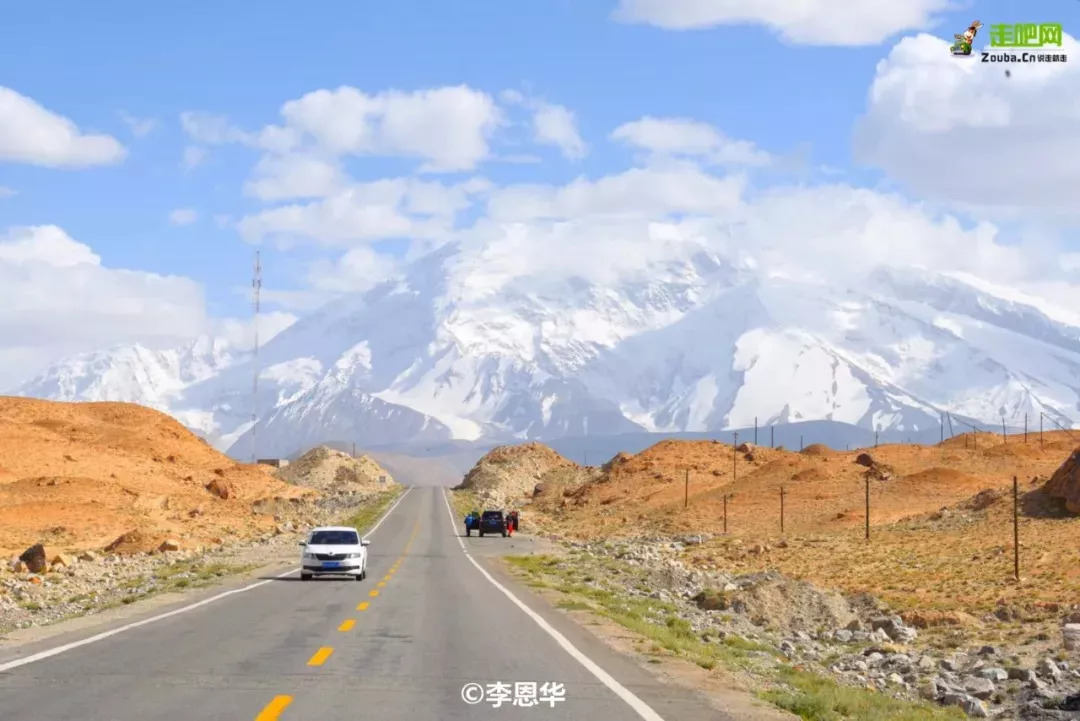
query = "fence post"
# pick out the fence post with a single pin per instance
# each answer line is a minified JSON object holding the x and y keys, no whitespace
{"x":800,"y":444}
{"x":1040,"y":428}
{"x":942,"y":428}
{"x":772,"y":436}
{"x":686,"y":491}
{"x":1004,"y":435}
{"x":781,"y":510}
{"x":875,"y":439}
{"x":1016,"y":529}
{"x":725,"y":513}
{"x":1025,"y":427}
{"x":867,"y":475}
{"x":755,"y":430}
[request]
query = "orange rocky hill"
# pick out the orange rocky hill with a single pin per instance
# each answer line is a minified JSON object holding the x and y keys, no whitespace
{"x":941,"y":516}
{"x":86,"y":476}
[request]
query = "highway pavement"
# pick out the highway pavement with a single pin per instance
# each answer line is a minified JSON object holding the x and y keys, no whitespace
{"x":431,"y":618}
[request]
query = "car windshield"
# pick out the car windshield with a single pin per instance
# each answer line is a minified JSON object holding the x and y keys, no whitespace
{"x":333,"y":538}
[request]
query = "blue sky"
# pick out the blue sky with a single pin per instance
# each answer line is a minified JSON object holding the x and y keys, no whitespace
{"x":93,"y":62}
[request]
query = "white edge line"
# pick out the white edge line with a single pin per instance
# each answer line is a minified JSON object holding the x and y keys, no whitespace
{"x":640,"y":707}
{"x":41,"y":655}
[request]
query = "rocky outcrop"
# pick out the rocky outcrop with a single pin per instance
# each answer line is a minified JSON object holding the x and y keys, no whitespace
{"x":1065,"y":483}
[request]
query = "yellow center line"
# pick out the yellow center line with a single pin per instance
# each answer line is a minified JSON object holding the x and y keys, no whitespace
{"x":347,"y":625}
{"x":373,"y":593}
{"x":363,"y":606}
{"x":274,"y":708}
{"x":320,"y":656}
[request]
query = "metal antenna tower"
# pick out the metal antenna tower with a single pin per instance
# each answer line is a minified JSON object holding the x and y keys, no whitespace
{"x":256,"y":285}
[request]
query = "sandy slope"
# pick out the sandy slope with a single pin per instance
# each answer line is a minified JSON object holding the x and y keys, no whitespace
{"x":78,"y":475}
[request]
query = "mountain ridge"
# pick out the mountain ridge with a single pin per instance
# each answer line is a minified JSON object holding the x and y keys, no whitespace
{"x":455,"y":350}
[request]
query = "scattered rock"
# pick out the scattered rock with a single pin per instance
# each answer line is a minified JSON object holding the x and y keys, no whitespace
{"x":35,"y":558}
{"x":1065,"y":483}
{"x":221,"y":488}
{"x":1071,"y":636}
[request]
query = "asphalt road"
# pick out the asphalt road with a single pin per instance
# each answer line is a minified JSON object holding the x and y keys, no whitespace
{"x":341,"y":650}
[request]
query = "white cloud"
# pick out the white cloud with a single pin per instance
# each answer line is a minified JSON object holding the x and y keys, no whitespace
{"x":809,"y":22}
{"x":448,"y":127}
{"x":391,"y":208}
{"x":693,"y":138}
{"x":653,"y":192}
{"x":29,"y":133}
{"x":960,"y":130}
{"x":193,"y":157}
{"x":357,"y":270}
{"x":183,"y":216}
{"x":61,"y":300}
{"x":140,"y":127}
{"x":293,"y":176}
{"x":6,"y":192}
{"x":556,"y":125}
{"x":210,"y":129}
{"x":240,"y":333}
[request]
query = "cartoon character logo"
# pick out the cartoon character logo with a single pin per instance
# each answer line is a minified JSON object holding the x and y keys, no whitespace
{"x":962,"y":46}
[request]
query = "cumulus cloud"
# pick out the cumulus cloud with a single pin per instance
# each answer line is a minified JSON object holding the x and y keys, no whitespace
{"x":193,"y":157}
{"x":140,"y":127}
{"x":652,"y":192}
{"x":690,"y":138}
{"x":211,"y":129}
{"x":366,"y":212}
{"x":556,"y":125}
{"x":240,"y":333}
{"x":807,"y":22}
{"x":447,"y":128}
{"x":61,"y":300}
{"x":183,"y":216}
{"x":357,"y":270}
{"x":295,"y":176}
{"x":6,"y":192}
{"x":961,"y":131}
{"x":32,"y":134}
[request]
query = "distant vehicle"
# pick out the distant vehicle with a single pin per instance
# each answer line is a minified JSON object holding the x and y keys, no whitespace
{"x":334,"y":551}
{"x":492,"y":522}
{"x":472,"y":523}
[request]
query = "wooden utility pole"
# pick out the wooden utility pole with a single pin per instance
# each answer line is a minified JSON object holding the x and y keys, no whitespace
{"x":867,"y":475}
{"x":772,"y":436}
{"x":1016,"y":529}
{"x":686,"y":489}
{"x":725,"y":513}
{"x":735,"y":456}
{"x":781,"y":510}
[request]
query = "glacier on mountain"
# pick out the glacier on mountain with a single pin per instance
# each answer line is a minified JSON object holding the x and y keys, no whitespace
{"x":459,"y":348}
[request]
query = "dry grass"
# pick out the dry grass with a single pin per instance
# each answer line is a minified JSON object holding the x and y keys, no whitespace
{"x":915,"y":558}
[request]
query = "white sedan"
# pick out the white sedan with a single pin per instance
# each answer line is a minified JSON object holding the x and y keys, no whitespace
{"x":334,"y":550}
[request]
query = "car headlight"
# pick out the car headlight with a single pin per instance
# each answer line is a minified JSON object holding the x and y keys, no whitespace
{"x":354,"y":555}
{"x":309,"y":556}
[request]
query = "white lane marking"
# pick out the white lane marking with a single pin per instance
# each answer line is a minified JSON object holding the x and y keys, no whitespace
{"x":640,"y":707}
{"x":176,"y":612}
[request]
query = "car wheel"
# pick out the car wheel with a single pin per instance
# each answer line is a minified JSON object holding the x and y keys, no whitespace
{"x":504,"y":534}
{"x":305,"y":576}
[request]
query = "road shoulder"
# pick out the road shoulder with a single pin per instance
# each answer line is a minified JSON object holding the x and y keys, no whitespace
{"x":596,"y":635}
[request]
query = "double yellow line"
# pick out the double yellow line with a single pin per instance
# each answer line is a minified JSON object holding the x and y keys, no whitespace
{"x":273,"y":710}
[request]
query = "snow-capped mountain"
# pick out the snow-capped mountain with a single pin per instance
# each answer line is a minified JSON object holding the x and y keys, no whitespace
{"x":458,"y":347}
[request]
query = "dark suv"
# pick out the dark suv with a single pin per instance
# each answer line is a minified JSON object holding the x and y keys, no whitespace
{"x":492,"y":522}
